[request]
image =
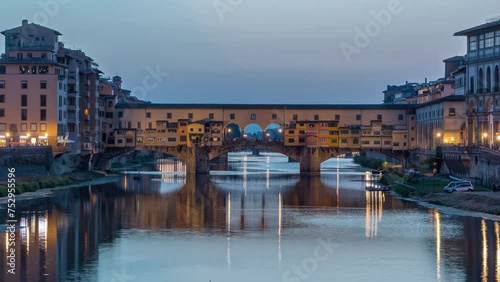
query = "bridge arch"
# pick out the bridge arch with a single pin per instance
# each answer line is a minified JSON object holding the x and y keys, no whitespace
{"x":232,"y":130}
{"x":274,"y":131}
{"x":253,"y":130}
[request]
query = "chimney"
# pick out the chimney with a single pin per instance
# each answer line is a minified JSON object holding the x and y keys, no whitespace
{"x":118,"y":81}
{"x":426,"y":80}
{"x":25,"y":22}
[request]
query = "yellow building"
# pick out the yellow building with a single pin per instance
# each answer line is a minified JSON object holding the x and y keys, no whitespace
{"x":333,"y":134}
{"x":196,"y":133}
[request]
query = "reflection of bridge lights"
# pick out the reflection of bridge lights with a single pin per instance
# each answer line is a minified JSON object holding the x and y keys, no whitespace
{"x":437,"y":218}
{"x":280,"y":205}
{"x":229,"y":230}
{"x":484,"y":272}
{"x":374,"y":212}
{"x":42,"y":230}
{"x":497,"y":234}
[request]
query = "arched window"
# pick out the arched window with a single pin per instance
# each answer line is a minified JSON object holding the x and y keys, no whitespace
{"x":480,"y":81}
{"x":497,"y":79}
{"x":471,"y":86}
{"x":488,"y":80}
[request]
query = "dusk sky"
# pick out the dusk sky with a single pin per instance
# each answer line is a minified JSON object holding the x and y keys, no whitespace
{"x":260,"y":51}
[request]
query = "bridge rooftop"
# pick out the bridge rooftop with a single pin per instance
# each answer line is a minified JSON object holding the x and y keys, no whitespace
{"x":264,"y":106}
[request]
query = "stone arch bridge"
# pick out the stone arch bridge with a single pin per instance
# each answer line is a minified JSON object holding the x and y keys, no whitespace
{"x":197,"y":158}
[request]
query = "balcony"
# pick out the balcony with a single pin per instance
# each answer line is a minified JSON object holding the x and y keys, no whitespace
{"x":71,"y":116}
{"x":71,"y":78}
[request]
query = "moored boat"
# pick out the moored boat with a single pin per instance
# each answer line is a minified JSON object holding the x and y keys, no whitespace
{"x":373,"y":188}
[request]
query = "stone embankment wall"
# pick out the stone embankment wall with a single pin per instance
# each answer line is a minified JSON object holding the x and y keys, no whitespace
{"x":477,"y":163}
{"x":26,"y":160}
{"x":35,"y":160}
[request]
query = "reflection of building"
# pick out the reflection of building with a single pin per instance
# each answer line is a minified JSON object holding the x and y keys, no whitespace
{"x":36,"y":248}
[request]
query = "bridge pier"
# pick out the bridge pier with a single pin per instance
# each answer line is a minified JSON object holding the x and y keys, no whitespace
{"x":197,"y":160}
{"x":310,"y":161}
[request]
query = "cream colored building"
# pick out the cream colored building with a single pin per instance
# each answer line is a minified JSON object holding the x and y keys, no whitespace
{"x":441,"y":121}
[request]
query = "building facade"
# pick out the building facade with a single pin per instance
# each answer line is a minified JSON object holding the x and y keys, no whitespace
{"x":482,"y":83}
{"x":342,"y":126}
{"x":441,"y":121}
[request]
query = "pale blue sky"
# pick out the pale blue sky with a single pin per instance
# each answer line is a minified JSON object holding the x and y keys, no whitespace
{"x":262,"y":51}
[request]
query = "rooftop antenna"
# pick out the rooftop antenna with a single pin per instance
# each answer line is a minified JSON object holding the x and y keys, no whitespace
{"x":491,"y":20}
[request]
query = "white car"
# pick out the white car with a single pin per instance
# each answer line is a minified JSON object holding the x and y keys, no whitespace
{"x":461,"y":186}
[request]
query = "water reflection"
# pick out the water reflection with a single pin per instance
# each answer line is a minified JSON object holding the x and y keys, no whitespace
{"x":374,"y":211}
{"x":64,"y":238}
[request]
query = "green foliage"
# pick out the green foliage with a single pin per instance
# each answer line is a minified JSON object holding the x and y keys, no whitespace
{"x":117,"y":165}
{"x":368,"y":162}
{"x":4,"y":192}
{"x":403,"y":191}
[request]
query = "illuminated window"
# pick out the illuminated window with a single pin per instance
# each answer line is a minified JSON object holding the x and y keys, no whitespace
{"x":43,"y":69}
{"x":24,"y":69}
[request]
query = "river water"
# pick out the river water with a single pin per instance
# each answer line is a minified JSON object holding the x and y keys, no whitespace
{"x":253,"y":219}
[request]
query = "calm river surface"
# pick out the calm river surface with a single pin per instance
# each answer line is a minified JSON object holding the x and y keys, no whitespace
{"x":253,"y":219}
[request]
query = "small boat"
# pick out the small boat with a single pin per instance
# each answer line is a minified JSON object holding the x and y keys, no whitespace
{"x":137,"y":177}
{"x":376,"y":171}
{"x":372,"y":188}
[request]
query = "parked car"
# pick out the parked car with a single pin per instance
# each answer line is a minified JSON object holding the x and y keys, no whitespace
{"x":461,"y":186}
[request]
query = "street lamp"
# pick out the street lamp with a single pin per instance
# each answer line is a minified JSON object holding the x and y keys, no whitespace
{"x":485,"y":140}
{"x":438,"y":135}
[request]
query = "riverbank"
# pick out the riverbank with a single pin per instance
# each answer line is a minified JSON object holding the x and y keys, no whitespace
{"x":25,"y":184}
{"x":430,"y":190}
